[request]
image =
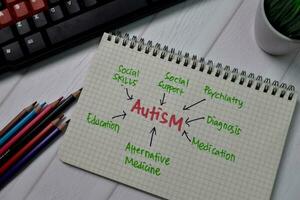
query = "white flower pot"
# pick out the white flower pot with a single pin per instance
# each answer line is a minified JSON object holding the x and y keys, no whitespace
{"x":269,"y":39}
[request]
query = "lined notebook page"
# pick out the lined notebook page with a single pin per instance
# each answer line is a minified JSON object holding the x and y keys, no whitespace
{"x":174,"y":131}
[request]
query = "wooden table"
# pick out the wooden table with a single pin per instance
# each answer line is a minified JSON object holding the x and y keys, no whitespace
{"x":219,"y":30}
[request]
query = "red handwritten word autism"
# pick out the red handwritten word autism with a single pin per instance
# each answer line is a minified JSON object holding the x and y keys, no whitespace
{"x":157,"y":114}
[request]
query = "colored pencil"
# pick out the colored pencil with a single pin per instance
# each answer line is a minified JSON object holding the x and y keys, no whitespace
{"x":17,"y":118}
{"x":30,"y":145}
{"x":19,"y":125}
{"x":10,"y":147}
{"x":23,"y":131}
{"x":25,"y":160}
{"x":52,"y":115}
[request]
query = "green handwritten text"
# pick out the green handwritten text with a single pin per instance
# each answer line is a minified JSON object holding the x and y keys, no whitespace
{"x":126,"y":76}
{"x":173,"y":84}
{"x":213,"y":150}
{"x":224,"y":126}
{"x":146,"y":167}
{"x":93,"y":120}
{"x":151,"y":155}
{"x":213,"y":94}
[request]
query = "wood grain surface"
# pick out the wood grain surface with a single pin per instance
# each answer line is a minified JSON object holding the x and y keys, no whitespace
{"x":219,"y":30}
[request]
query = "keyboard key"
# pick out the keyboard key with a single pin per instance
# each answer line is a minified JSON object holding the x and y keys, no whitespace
{"x":56,"y":13}
{"x":5,"y":34}
{"x":37,"y":5}
{"x":35,"y":42}
{"x":23,"y":27}
{"x":5,"y":18}
{"x":89,"y":3}
{"x":10,"y":2}
{"x":72,"y":6}
{"x":94,"y":17}
{"x":20,"y":11}
{"x":1,"y":4}
{"x":53,"y":1}
{"x":12,"y":51}
{"x":39,"y":20}
{"x":101,"y":15}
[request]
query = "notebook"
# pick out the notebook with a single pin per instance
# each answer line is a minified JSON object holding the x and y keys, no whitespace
{"x":178,"y":126}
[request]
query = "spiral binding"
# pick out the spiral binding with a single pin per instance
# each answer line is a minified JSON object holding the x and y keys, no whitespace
{"x":250,"y":81}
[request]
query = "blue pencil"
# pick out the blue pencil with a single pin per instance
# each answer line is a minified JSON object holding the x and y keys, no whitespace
{"x":19,"y":125}
{"x":32,"y":153}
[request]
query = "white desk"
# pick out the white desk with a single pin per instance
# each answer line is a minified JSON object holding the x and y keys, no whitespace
{"x":220,"y":30}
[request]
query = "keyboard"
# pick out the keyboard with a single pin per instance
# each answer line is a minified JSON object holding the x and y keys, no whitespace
{"x":32,"y":30}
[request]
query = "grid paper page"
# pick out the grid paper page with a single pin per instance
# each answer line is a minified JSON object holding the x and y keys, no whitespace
{"x":166,"y":129}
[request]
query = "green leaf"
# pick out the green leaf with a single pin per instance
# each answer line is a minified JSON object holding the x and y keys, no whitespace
{"x":284,"y":15}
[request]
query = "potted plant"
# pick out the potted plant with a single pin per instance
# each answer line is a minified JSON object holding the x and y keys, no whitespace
{"x":277,"y":26}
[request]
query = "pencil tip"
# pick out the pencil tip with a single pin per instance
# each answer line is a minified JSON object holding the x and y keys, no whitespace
{"x":77,"y":93}
{"x":40,"y":106}
{"x":32,"y":106}
{"x":58,"y":119}
{"x":59,"y":99}
{"x":64,"y":126}
{"x":62,"y":118}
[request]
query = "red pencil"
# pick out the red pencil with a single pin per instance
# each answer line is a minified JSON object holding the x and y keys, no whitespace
{"x":51,"y":126}
{"x":29,"y":126}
